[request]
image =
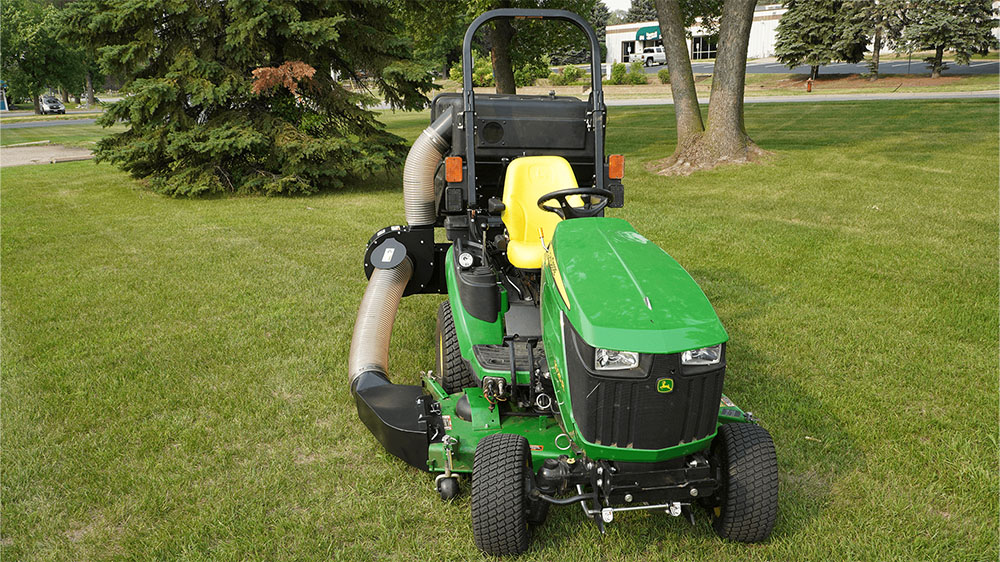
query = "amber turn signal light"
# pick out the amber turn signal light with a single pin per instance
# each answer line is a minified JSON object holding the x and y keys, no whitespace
{"x":453,"y":169}
{"x":616,"y":166}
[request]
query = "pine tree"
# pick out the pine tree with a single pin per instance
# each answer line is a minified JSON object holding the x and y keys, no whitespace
{"x":885,"y":20}
{"x":818,"y":32}
{"x":940,"y":25}
{"x":640,"y":11}
{"x":196,"y":122}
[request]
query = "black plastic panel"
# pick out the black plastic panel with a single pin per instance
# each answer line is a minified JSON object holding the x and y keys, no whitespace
{"x":631,"y":413}
{"x":497,"y":357}
{"x":393,"y":415}
{"x":522,"y":126}
{"x":477,"y":290}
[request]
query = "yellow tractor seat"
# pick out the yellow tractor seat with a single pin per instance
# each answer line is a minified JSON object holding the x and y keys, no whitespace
{"x":528,"y":178}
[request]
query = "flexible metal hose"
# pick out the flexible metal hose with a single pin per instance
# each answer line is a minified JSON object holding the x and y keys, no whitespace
{"x":418,"y":171}
{"x":373,"y":327}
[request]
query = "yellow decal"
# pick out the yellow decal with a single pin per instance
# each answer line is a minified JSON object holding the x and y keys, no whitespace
{"x":550,"y":262}
{"x":664,"y":385}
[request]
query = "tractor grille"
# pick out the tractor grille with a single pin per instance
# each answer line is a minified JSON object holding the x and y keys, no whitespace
{"x":631,"y":413}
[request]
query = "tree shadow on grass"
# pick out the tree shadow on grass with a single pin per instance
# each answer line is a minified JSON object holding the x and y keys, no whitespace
{"x":813,"y":450}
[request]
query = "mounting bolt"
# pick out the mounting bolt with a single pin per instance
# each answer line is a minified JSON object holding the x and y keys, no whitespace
{"x":694,"y":492}
{"x":628,"y":498}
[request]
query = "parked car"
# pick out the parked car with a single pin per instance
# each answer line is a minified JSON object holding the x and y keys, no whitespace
{"x":651,"y":56}
{"x":52,"y":105}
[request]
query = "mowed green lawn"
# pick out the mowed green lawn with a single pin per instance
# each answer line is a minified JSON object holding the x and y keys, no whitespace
{"x":174,"y":372}
{"x":81,"y":135}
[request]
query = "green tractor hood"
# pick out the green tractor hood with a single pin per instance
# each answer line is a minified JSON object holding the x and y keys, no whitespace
{"x":624,"y":293}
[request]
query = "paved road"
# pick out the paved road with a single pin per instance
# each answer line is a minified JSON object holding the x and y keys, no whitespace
{"x":813,"y":98}
{"x":802,"y":98}
{"x":51,"y":123}
{"x":770,"y":66}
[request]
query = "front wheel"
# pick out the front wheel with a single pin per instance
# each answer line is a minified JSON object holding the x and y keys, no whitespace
{"x":747,"y":503}
{"x":501,"y":473}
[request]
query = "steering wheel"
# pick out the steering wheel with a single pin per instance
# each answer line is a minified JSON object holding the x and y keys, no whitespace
{"x":567,"y":211}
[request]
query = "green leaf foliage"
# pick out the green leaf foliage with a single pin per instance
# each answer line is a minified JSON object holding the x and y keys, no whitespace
{"x":195,"y":124}
{"x":637,"y":74}
{"x":32,"y":57}
{"x":664,"y":76}
{"x":618,"y":73}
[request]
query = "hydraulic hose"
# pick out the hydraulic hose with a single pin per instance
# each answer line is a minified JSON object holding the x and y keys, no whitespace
{"x":418,"y":171}
{"x":373,"y":327}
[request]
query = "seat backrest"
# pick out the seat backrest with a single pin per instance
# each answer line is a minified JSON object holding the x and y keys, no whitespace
{"x":527,"y":179}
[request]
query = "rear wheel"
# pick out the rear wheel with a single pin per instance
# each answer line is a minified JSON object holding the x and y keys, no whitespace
{"x":453,"y":373}
{"x":501,"y":473}
{"x":747,"y":503}
{"x":649,"y":61}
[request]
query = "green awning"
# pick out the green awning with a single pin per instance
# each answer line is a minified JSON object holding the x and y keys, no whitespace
{"x":648,"y":33}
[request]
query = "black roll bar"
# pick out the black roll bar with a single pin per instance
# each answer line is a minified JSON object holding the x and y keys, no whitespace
{"x":469,"y":97}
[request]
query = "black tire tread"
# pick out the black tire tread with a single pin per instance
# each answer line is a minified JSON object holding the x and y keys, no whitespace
{"x":455,"y":373}
{"x":499,"y":514}
{"x":750,"y":474}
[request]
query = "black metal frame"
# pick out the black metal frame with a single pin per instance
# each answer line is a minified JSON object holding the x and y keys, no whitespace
{"x":469,"y":97}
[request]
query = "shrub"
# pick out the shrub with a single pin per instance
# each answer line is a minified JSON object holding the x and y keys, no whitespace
{"x":557,"y":79}
{"x":617,"y":73}
{"x":482,"y":73}
{"x":572,"y":74}
{"x":637,"y":74}
{"x":664,"y":76}
{"x":527,"y":74}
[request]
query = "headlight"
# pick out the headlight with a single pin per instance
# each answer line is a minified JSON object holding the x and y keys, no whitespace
{"x":704,"y":356}
{"x":609,"y":360}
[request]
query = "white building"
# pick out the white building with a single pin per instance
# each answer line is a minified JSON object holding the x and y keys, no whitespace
{"x":625,"y":39}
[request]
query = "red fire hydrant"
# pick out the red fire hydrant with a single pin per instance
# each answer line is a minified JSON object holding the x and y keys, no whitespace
{"x":809,"y":85}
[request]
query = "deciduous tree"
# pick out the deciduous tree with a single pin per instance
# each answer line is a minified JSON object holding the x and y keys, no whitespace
{"x":513,"y":44}
{"x":725,"y":140}
{"x":32,"y":57}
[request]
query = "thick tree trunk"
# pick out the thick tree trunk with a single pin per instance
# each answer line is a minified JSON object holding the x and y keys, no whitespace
{"x":38,"y":104}
{"x":936,"y":66}
{"x":686,"y":109}
{"x":725,"y":140}
{"x":726,"y":131}
{"x":876,"y":48}
{"x":503,"y":69}
{"x":91,"y":100}
{"x":814,"y":71}
{"x":65,"y":95}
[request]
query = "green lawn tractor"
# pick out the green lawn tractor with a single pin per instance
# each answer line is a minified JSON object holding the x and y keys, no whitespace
{"x":577,"y":363}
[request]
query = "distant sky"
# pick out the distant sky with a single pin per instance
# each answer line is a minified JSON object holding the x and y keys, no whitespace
{"x":618,"y":4}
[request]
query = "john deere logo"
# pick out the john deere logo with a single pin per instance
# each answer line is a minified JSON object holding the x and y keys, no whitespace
{"x":664,"y":385}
